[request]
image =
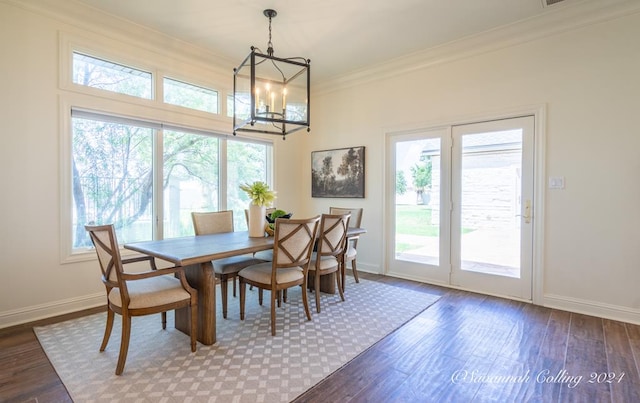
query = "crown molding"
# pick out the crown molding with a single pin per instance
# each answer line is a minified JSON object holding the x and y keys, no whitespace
{"x":557,"y":19}
{"x":79,"y":15}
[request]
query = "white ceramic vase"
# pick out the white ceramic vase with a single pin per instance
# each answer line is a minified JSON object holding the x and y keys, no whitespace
{"x":257,"y":220}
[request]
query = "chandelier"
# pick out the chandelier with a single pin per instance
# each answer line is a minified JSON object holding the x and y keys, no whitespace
{"x":271,"y":94}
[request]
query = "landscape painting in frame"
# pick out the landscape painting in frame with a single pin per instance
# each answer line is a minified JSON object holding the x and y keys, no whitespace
{"x":338,"y":173}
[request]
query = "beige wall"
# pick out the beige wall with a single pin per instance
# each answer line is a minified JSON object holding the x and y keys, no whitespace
{"x":587,"y":78}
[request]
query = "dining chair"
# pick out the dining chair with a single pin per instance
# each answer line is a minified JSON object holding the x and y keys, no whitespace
{"x":216,"y":222}
{"x":330,"y":253}
{"x":139,"y":293}
{"x":350,"y":256}
{"x":292,"y":247}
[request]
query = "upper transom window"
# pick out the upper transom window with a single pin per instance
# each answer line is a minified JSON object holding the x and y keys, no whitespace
{"x":97,"y":73}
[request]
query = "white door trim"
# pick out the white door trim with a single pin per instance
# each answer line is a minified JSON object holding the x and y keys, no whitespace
{"x":539,"y":113}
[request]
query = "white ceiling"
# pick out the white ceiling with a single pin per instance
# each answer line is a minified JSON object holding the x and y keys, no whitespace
{"x":338,"y":36}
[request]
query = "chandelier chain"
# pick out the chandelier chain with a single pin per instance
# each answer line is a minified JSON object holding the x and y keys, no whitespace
{"x":269,"y":44}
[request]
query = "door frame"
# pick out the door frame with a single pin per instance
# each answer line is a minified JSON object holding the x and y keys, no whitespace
{"x":539,"y":114}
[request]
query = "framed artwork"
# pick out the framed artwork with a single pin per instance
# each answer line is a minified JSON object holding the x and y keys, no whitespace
{"x":338,"y":173}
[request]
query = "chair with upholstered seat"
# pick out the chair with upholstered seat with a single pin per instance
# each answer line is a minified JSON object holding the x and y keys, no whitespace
{"x":216,"y":222}
{"x":292,"y":247}
{"x":355,"y":222}
{"x":140,"y":293}
{"x":330,"y":253}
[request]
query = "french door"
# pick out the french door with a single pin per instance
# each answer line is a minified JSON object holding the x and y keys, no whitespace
{"x":463,"y":206}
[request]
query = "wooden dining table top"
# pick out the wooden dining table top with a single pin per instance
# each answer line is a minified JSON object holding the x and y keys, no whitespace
{"x":189,"y":250}
{"x":195,"y":254}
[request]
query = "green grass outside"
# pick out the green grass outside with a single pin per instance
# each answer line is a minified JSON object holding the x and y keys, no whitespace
{"x":416,"y":220}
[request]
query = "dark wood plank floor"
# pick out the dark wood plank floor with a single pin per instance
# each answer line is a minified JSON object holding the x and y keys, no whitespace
{"x":465,"y":348}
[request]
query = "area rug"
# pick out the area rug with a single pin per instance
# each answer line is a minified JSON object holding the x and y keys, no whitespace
{"x":246,"y":364}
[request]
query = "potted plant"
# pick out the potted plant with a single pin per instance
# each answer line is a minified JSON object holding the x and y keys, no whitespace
{"x":261,"y":197}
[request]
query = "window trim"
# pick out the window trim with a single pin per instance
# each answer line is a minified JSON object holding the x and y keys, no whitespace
{"x":106,"y":103}
{"x":69,"y":254}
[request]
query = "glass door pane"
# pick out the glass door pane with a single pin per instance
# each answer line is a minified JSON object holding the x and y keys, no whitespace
{"x":490,"y":202}
{"x":417,"y":212}
{"x":492,"y":194}
{"x":417,"y":187}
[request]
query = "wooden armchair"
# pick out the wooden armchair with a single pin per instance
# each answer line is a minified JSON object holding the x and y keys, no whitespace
{"x":292,"y":247}
{"x":330,"y":254}
{"x":137,"y":294}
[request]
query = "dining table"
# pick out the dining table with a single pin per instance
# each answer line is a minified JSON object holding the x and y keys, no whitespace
{"x":195,"y":254}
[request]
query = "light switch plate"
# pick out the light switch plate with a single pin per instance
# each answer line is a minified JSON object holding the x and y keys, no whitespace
{"x":556,"y":182}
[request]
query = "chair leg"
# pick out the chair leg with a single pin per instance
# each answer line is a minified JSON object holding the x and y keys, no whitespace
{"x":107,"y":329}
{"x":234,"y":286}
{"x":273,"y":311}
{"x":343,"y":274}
{"x":124,"y":342}
{"x":260,"y":295}
{"x":243,"y":292}
{"x":164,"y":320}
{"x":339,"y":284}
{"x":316,"y":289}
{"x":194,"y":325}
{"x":305,"y":302}
{"x":354,"y":270}
{"x":224,"y":288}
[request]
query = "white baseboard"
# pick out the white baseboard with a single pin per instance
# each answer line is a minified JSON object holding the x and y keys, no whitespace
{"x":576,"y":305}
{"x":593,"y":308}
{"x":43,"y":311}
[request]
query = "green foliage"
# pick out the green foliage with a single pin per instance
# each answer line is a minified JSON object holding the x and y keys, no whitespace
{"x":401,"y":183}
{"x":277,"y":214}
{"x":421,"y":175}
{"x":259,"y":193}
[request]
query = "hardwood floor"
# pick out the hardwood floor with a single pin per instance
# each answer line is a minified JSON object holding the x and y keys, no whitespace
{"x":465,"y":348}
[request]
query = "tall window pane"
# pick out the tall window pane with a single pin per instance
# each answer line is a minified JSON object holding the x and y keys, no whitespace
{"x":190,"y":96}
{"x":111,"y":179}
{"x":109,"y":76}
{"x":190,"y":179}
{"x":246,"y":163}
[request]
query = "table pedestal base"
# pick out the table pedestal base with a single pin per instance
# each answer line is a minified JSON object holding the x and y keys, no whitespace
{"x":201,"y":278}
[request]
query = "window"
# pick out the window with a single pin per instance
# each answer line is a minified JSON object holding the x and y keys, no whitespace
{"x":111,"y":179}
{"x":115,"y":179}
{"x":190,"y":96}
{"x":190,"y":179}
{"x":97,"y":73}
{"x":246,"y":163}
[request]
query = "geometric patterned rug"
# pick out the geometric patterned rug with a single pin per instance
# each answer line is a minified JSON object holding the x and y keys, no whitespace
{"x":246,"y":364}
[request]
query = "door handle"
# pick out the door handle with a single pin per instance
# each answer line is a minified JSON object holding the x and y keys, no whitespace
{"x":527,"y":212}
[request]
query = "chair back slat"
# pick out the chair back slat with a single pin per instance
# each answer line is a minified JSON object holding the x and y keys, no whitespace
{"x":104,"y":240}
{"x":293,"y":243}
{"x":356,"y":218}
{"x":333,"y":234}
{"x":356,"y":214}
{"x":213,"y":222}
